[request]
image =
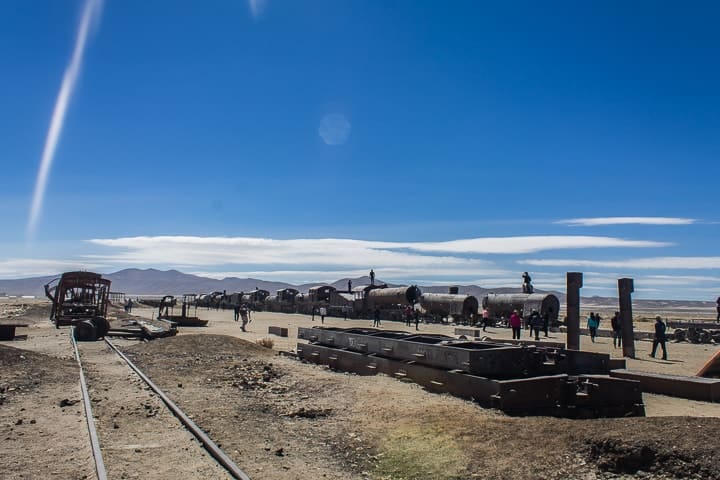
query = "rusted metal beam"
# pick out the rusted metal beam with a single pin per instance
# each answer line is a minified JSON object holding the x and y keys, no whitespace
{"x":574,"y":284}
{"x":625,"y":290}
{"x":694,"y":388}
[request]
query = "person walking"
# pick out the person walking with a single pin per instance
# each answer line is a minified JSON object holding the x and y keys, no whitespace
{"x":313,"y":314}
{"x":515,"y":324}
{"x":376,"y":317}
{"x":323,"y":312}
{"x":660,"y":337}
{"x":592,"y":325}
{"x":245,"y":316}
{"x":416,"y":314}
{"x":535,"y":321}
{"x":408,"y":315}
{"x":546,"y":321}
{"x":129,"y":305}
{"x":718,"y":310}
{"x":616,"y":324}
{"x":236,"y":312}
{"x":485,"y":319}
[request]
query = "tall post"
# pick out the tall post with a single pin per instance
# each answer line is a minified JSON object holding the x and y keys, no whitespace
{"x":625,"y":288}
{"x":574,"y":283}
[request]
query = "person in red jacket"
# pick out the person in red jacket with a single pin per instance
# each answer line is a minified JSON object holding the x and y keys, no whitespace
{"x":515,"y":324}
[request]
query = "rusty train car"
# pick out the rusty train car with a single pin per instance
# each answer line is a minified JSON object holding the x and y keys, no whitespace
{"x":501,"y":305}
{"x":80,"y":299}
{"x":456,"y":307}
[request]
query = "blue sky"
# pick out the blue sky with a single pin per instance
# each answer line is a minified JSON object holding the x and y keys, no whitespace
{"x":305,"y":141}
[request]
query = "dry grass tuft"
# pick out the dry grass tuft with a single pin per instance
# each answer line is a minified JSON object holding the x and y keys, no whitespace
{"x":265,"y":342}
{"x":414,"y":453}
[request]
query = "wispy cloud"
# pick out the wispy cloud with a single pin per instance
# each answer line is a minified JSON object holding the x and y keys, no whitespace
{"x":90,"y":15}
{"x":31,"y":267}
{"x":598,"y":221}
{"x":667,"y":263}
{"x":192,"y":250}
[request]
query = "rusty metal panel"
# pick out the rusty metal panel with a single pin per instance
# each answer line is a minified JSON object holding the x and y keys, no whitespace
{"x":694,"y":388}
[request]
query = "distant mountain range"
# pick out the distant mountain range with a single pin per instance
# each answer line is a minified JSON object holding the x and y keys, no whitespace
{"x":133,"y":281}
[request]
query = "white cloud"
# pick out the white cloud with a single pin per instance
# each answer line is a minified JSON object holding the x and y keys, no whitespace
{"x":30,"y":267}
{"x":334,"y":129}
{"x":190,"y":250}
{"x":530,"y":244}
{"x":597,"y":221}
{"x":668,"y":263}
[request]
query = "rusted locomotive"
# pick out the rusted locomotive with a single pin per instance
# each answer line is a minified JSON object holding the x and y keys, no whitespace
{"x":80,"y":299}
{"x":501,"y":305}
{"x":455,"y":307}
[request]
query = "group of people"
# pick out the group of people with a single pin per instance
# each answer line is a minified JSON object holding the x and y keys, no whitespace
{"x":412,"y":315}
{"x":128,"y":306}
{"x":535,"y":322}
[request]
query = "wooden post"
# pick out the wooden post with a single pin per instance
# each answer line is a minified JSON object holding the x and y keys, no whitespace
{"x":574,"y":283}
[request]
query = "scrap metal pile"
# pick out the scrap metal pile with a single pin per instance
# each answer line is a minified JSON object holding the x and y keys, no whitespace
{"x":695,"y":332}
{"x":517,"y":379}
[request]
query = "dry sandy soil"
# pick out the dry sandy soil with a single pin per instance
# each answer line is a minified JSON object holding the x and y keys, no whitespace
{"x":282,"y":419}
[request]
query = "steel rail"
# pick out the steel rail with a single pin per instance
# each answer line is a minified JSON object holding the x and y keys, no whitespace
{"x":94,"y":441}
{"x":221,"y":457}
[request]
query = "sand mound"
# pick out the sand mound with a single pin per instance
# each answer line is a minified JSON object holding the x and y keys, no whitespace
{"x":24,"y":370}
{"x":208,"y":345}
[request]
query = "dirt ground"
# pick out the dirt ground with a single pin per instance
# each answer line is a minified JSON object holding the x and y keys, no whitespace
{"x":282,"y":419}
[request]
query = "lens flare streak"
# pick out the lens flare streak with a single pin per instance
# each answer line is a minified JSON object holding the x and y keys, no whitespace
{"x":90,"y":14}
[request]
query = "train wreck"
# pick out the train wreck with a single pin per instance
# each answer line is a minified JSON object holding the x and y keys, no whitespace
{"x":517,"y":379}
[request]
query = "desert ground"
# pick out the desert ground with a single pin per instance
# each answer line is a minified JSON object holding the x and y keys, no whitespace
{"x":278,"y":418}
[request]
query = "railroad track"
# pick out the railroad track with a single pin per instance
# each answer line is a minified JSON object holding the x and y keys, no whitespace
{"x":135,"y":430}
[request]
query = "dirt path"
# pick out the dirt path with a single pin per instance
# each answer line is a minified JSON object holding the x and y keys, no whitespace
{"x":139,"y":437}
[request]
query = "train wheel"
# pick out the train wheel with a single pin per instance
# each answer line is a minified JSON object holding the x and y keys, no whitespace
{"x":85,"y":331}
{"x":102,"y":326}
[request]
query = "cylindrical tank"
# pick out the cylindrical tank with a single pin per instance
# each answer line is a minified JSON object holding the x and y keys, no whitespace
{"x":445,"y":304}
{"x":394,"y":296}
{"x":502,"y":304}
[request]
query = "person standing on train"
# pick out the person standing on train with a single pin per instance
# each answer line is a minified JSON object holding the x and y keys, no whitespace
{"x":515,"y":324}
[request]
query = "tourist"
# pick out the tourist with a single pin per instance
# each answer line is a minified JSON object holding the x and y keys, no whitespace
{"x":532,"y":321}
{"x":660,"y":337}
{"x":236,"y":312}
{"x":417,"y":319}
{"x":536,"y":322}
{"x":515,"y":324}
{"x":616,"y":324}
{"x":323,"y":312}
{"x":485,"y":319}
{"x":592,"y":325}
{"x":376,"y":317}
{"x":245,"y":316}
{"x":546,"y":320}
{"x":718,"y":309}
